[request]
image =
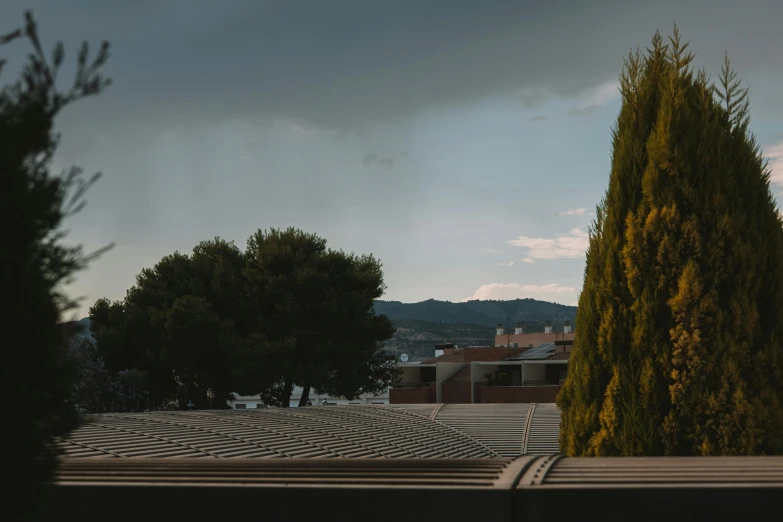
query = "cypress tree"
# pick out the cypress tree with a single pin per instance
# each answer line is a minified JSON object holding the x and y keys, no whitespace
{"x":678,"y":350}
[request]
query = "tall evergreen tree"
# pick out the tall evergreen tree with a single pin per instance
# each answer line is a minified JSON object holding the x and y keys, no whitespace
{"x":678,"y":350}
{"x":36,"y":375}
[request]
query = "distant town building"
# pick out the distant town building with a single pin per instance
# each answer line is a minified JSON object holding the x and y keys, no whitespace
{"x":520,"y":339}
{"x":489,"y":374}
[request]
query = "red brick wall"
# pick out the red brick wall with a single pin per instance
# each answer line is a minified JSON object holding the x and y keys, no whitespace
{"x":412,"y":395}
{"x":518,"y":394}
{"x":455,"y":392}
{"x":491,"y":354}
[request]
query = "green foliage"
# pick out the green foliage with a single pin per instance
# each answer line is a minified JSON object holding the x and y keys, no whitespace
{"x":678,"y":348}
{"x":315,"y":307}
{"x":287,"y":311}
{"x":180,"y":324}
{"x":37,"y":376}
{"x":96,"y":390}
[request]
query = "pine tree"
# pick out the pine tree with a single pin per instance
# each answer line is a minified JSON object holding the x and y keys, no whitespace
{"x":678,"y":350}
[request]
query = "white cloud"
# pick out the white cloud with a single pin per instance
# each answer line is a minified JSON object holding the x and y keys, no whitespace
{"x":491,"y":251}
{"x":498,"y":291}
{"x":570,"y":245}
{"x":528,"y":260}
{"x":774,"y":153}
{"x":595,"y":98}
{"x":603,"y":93}
{"x":572,"y":212}
{"x":507,"y":263}
{"x":305,"y":129}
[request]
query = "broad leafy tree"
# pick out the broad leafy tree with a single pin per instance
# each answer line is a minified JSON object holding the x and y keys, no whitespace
{"x":314,"y":306}
{"x":179,"y":323}
{"x":36,"y":263}
{"x":678,"y":350}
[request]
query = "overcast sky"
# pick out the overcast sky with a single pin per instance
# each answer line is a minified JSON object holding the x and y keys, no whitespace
{"x":464,"y":143}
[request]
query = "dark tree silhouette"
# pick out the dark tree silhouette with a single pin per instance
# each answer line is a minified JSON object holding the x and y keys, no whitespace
{"x":36,"y":374}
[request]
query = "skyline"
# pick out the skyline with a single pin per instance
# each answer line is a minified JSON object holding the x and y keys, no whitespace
{"x":466,"y":148}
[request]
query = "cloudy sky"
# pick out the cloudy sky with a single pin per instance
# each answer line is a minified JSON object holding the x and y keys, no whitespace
{"x":464,"y":143}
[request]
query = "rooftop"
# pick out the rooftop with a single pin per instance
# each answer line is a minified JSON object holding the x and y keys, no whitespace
{"x":357,"y":431}
{"x":457,"y":356}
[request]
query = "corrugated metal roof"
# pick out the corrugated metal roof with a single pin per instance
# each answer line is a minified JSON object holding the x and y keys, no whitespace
{"x":253,"y":472}
{"x":498,"y":426}
{"x":425,"y":410}
{"x":544,"y":434}
{"x":665,"y":471}
{"x":313,"y":432}
{"x":532,"y":489}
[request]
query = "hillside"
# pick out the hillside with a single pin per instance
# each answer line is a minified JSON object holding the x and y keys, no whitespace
{"x":420,"y":326}
{"x":483,"y":313}
{"x":418,"y":338}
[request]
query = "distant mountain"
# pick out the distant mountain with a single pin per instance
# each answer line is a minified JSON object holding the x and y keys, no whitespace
{"x":420,"y":326}
{"x":484,"y":313}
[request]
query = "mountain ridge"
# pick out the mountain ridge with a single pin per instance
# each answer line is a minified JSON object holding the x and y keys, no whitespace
{"x":485,"y":313}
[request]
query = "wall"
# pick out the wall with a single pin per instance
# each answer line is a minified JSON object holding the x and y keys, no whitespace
{"x":532,"y":338}
{"x":455,"y":393}
{"x":424,"y":395}
{"x":443,"y":371}
{"x":518,"y":394}
{"x":410,"y":374}
{"x":534,"y":372}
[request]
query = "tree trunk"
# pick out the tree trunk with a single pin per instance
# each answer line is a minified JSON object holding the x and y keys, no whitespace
{"x":305,"y":396}
{"x":285,"y":394}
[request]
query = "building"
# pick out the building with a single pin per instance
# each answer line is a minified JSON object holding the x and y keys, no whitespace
{"x":521,"y":339}
{"x":474,"y":375}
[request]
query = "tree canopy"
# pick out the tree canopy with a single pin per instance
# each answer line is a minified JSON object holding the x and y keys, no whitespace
{"x":36,"y":375}
{"x":286,"y":311}
{"x":678,"y":350}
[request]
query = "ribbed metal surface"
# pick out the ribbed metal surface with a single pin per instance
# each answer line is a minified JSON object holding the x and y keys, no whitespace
{"x":255,"y":472}
{"x":314,"y":432}
{"x":665,"y":471}
{"x":544,"y":430}
{"x":500,"y":427}
{"x":425,"y":410}
{"x":530,"y":489}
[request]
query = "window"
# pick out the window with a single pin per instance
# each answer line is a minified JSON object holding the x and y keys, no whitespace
{"x":240,"y":406}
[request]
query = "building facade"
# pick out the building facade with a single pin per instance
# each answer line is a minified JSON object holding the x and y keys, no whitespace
{"x":475,"y":375}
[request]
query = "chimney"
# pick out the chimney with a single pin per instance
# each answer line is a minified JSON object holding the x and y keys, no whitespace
{"x":548,"y":327}
{"x":518,"y":329}
{"x":444,"y":349}
{"x":500,"y":329}
{"x":567,"y":327}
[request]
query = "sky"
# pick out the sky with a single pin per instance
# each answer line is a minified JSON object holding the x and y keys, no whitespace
{"x":465,"y":144}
